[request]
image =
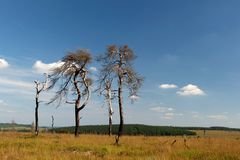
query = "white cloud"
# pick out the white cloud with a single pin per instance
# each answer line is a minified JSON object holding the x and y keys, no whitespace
{"x":218,"y":117}
{"x":190,"y":90}
{"x":167,"y":113}
{"x":167,"y":86}
{"x":171,"y":115}
{"x":41,"y":67}
{"x":3,"y":63}
{"x":23,"y":84}
{"x":93,"y":69}
{"x":161,"y":109}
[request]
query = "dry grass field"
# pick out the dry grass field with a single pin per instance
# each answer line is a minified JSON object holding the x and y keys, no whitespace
{"x":216,"y":145}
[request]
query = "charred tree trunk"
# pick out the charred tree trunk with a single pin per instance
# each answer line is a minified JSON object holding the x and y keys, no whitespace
{"x":120,"y":129}
{"x":76,"y":122}
{"x":39,"y":88}
{"x":36,"y":114}
{"x":52,"y":124}
{"x":77,"y":103}
{"x":78,"y":108}
{"x":110,"y":126}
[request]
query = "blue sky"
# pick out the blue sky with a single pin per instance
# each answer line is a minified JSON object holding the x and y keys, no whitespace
{"x":193,"y":46}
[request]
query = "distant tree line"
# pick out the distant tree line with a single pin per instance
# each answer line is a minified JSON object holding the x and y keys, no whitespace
{"x":129,"y":129}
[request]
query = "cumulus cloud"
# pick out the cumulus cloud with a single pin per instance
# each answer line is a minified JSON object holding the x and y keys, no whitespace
{"x":3,"y":63}
{"x":93,"y":69}
{"x":218,"y":117}
{"x":190,"y":90}
{"x":161,"y":109}
{"x":167,"y":86}
{"x":41,"y":67}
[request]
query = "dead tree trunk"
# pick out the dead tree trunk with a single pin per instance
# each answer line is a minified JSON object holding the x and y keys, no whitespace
{"x":120,"y":129}
{"x":110,"y":126}
{"x":120,"y":81}
{"x":110,"y":109}
{"x":110,"y":122}
{"x":77,"y":103}
{"x":37,"y":105}
{"x":76,"y":122}
{"x":36,"y":112}
{"x":39,"y":88}
{"x":78,"y":108}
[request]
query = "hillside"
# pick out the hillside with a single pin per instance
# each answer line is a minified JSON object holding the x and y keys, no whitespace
{"x":15,"y":127}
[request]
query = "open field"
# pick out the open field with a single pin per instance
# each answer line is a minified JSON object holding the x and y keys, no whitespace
{"x":16,"y":146}
{"x":219,"y":134}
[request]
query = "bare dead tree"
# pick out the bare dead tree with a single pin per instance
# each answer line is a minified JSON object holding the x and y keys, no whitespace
{"x":117,"y":65}
{"x":40,"y":86}
{"x":72,"y":77}
{"x":109,"y":96}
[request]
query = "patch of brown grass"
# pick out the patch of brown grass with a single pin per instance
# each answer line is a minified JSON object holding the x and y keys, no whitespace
{"x":24,"y":146}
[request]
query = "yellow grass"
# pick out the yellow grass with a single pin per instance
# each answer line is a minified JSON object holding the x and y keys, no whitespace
{"x":24,"y":146}
{"x":219,"y":134}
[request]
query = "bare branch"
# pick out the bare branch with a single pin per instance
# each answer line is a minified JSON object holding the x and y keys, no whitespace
{"x":70,"y":102}
{"x":88,"y":93}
